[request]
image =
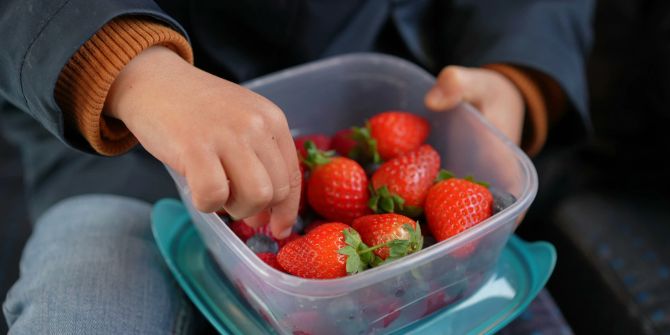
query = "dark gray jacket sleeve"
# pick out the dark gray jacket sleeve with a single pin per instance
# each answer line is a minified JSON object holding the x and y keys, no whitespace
{"x":38,"y":37}
{"x":552,"y":36}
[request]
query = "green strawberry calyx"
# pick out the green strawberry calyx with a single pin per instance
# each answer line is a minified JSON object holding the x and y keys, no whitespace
{"x":359,"y":257}
{"x":383,"y":201}
{"x":366,"y":145}
{"x":316,"y":157}
{"x":399,"y":248}
{"x":445,"y":174}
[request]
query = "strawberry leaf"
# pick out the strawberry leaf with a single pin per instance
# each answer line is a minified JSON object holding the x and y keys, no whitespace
{"x":316,"y":157}
{"x":444,"y":175}
{"x":377,"y":261}
{"x":411,"y":211}
{"x":415,"y":237}
{"x":398,"y":248}
{"x":348,"y":250}
{"x":473,"y":180}
{"x":354,"y":264}
{"x":383,"y":201}
{"x":366,"y":146}
{"x":387,"y":205}
{"x":367,"y":257}
{"x":352,"y":238}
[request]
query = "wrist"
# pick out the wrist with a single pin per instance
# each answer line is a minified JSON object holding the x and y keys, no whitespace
{"x":134,"y":84}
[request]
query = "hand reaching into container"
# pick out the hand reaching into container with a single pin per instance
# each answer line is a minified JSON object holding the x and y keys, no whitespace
{"x":493,"y":94}
{"x":232,"y":145}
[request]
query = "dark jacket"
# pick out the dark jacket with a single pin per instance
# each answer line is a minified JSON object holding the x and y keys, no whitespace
{"x":240,"y":40}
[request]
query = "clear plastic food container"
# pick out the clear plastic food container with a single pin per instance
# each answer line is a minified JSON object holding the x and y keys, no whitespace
{"x":334,"y":94}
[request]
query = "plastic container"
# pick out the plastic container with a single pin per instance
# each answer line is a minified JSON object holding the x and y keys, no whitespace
{"x":336,"y":93}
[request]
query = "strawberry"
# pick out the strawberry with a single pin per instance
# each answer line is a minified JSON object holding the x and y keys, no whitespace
{"x":401,"y":184}
{"x":389,"y":134}
{"x":343,"y":142}
{"x":454,"y":205}
{"x":321,"y":141}
{"x":399,"y":234}
{"x":337,"y":187}
{"x":331,"y":250}
{"x":435,"y":302}
{"x":271,"y":260}
{"x":285,"y":241}
{"x":242,"y":231}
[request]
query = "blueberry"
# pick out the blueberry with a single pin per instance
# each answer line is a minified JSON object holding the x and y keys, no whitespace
{"x":299,"y":225}
{"x":261,"y":243}
{"x":225,"y":218}
{"x":501,"y":200}
{"x":371,"y":168}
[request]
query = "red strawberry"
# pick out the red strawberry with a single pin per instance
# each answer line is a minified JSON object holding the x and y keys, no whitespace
{"x":328,"y":251}
{"x":389,"y":134}
{"x":401,"y":184}
{"x":435,"y":302}
{"x":321,"y":141}
{"x":271,"y":260}
{"x":337,"y":187}
{"x":343,"y":142}
{"x":393,"y":309}
{"x":454,"y":205}
{"x":398,"y":233}
{"x":242,"y":231}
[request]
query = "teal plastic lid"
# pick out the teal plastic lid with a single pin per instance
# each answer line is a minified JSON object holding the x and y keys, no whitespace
{"x":522,"y":271}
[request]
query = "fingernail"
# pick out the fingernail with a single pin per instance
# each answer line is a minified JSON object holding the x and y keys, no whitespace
{"x":284,"y":234}
{"x":436,"y":98}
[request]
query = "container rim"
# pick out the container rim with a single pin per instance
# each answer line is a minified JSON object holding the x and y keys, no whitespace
{"x":341,"y":286}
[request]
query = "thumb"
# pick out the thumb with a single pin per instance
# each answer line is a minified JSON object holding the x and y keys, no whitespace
{"x":454,"y":84}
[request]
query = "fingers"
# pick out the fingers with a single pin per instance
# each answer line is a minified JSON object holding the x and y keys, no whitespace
{"x":271,"y":157}
{"x":250,"y":184}
{"x":454,"y":84}
{"x":284,"y":213}
{"x":207,"y":180}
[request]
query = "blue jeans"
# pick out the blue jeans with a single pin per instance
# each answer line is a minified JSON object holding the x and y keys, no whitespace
{"x":91,"y":267}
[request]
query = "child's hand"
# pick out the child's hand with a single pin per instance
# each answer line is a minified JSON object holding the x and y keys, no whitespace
{"x":493,"y":94}
{"x":232,"y":145}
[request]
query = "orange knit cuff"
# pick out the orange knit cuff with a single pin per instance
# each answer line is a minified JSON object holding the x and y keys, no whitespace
{"x":83,"y":83}
{"x":536,"y":122}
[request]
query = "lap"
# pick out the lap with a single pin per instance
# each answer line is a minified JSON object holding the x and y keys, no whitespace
{"x":91,"y":267}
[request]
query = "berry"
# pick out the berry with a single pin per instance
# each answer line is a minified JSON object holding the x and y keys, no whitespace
{"x":400,"y":234}
{"x":343,"y":142}
{"x":501,"y":200}
{"x":261,"y":243}
{"x":401,"y":184}
{"x":299,"y":225}
{"x":454,"y":205}
{"x":271,"y":260}
{"x":331,"y":250}
{"x":321,"y":141}
{"x":389,"y":134}
{"x":242,"y":231}
{"x":337,"y":187}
